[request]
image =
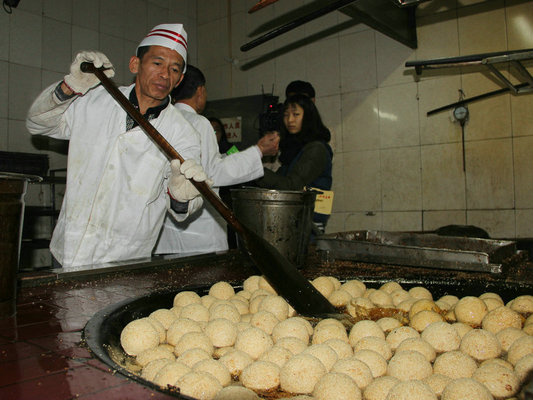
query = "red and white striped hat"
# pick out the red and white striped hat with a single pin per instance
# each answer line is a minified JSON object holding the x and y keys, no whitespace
{"x":172,"y":36}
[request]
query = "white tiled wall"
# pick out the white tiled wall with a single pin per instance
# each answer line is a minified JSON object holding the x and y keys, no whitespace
{"x":395,"y":168}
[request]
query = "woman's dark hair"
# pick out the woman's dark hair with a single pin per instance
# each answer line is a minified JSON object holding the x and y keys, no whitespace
{"x":224,"y":145}
{"x":312,"y":126}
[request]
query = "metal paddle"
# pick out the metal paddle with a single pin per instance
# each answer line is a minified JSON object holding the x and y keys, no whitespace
{"x":280,"y":273}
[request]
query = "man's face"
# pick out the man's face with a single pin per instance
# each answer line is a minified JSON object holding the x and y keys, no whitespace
{"x":159,"y":71}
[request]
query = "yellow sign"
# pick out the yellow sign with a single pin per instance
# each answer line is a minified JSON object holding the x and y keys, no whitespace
{"x":324,"y":201}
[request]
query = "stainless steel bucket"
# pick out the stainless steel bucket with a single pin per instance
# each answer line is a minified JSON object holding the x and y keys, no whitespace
{"x":12,"y":189}
{"x":283,"y":218}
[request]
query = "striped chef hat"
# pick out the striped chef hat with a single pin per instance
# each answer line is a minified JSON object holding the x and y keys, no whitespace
{"x":172,"y":36}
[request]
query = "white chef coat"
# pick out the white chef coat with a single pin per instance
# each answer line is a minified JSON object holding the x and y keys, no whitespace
{"x":116,"y":196}
{"x":205,"y":232}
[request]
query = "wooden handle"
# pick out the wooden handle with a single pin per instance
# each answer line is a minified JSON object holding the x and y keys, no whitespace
{"x":162,"y":143}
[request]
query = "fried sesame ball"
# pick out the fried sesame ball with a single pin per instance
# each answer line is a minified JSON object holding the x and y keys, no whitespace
{"x":236,"y":393}
{"x":185,"y":298}
{"x":244,"y":293}
{"x":480,"y":344}
{"x":461,"y":328}
{"x":235,"y":361}
{"x":341,"y":347}
{"x":336,"y":283}
{"x":398,"y":335}
{"x":222,"y":332}
{"x":215,"y":368}
{"x":324,"y":285}
{"x":400,"y":295}
{"x":277,"y":305}
{"x":253,"y":341}
{"x":244,"y":323}
{"x":261,"y":376}
{"x":408,"y":365}
{"x":499,"y":362}
{"x":492,"y":303}
{"x":220,"y":351}
{"x":193,"y":340}
{"x":197,"y":312}
{"x":353,"y":288}
{"x":465,"y":389}
{"x":225,"y":310}
{"x":293,"y":344}
{"x":523,"y":304}
{"x":170,"y":373}
{"x":306,"y":323}
{"x":491,"y":295}
{"x":375,"y":361}
{"x":265,"y":285}
{"x":411,"y":390}
{"x":363,"y":329}
{"x":454,"y":364}
{"x":501,"y":318}
{"x":164,"y":316}
{"x":180,"y":327}
{"x":355,"y":369}
{"x":501,"y":382}
{"x":529,"y":320}
{"x":523,"y":367}
{"x":442,"y":336}
{"x":406,"y":305}
{"x":339,"y":298}
{"x":176,"y":310}
{"x":241,"y":304}
{"x":139,"y":335}
{"x":278,"y":355}
{"x":255,"y":301}
{"x":379,"y":388}
{"x":264,"y":320}
{"x":355,"y":283}
{"x":379,"y":345}
{"x":159,"y":328}
{"x":387,"y":324}
{"x":528,"y":329}
{"x":381,"y":299}
{"x":325,"y":330}
{"x":336,"y":386}
{"x":470,"y":310}
{"x":260,"y":292}
{"x":423,"y":319}
{"x":420,"y":345}
{"x":520,"y":348}
{"x":300,"y":374}
{"x":437,"y":383}
{"x":152,"y":368}
{"x":251,"y":283}
{"x":221,"y":290}
{"x":324,"y":353}
{"x":368,"y":292}
{"x":390,"y":287}
{"x":192,"y":356}
{"x":156,"y":353}
{"x":419,"y":292}
{"x":442,"y":305}
{"x":358,"y":304}
{"x":291,"y":327}
{"x":450,"y":299}
{"x":422,"y":305}
{"x":198,"y":384}
{"x":207,"y":300}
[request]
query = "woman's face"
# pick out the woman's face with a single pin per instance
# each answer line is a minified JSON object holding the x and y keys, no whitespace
{"x":293,"y":117}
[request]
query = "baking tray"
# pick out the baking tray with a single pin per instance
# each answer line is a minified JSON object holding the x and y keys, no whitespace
{"x":418,"y":250}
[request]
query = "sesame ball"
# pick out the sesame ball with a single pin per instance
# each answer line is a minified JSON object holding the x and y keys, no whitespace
{"x":465,"y":389}
{"x":324,"y":285}
{"x":221,"y":290}
{"x":196,"y":312}
{"x":500,"y":381}
{"x":277,"y":305}
{"x":185,"y":298}
{"x":215,"y":368}
{"x":225,"y":310}
{"x":264,"y":320}
{"x":492,"y":303}
{"x":501,"y":318}
{"x":406,"y":304}
{"x":164,"y":316}
{"x":381,"y":298}
{"x":470,"y":310}
{"x":341,"y":347}
{"x":423,"y":319}
{"x":170,"y":373}
{"x":329,"y":329}
{"x":336,"y":386}
{"x":523,"y":304}
{"x":207,"y":301}
{"x":398,"y":335}
{"x":253,"y":341}
{"x":261,"y":376}
{"x":437,"y":383}
{"x":420,"y":345}
{"x":365,"y":328}
{"x":408,"y":365}
{"x":139,"y":335}
{"x":390,"y":287}
{"x":278,"y":355}
{"x":193,"y":340}
{"x":324,"y":353}
{"x":454,"y":364}
{"x":379,"y":345}
{"x":340,"y":298}
{"x":379,"y":388}
{"x":192,"y":356}
{"x":411,"y":390}
{"x":375,"y":361}
{"x":499,"y":362}
{"x":336,"y":283}
{"x":419,"y":292}
{"x":523,"y":367}
{"x":480,"y":344}
{"x":442,"y":336}
{"x":450,"y":299}
{"x":399,"y":296}
{"x":150,"y":370}
{"x":265,"y":285}
{"x":236,"y":393}
{"x":355,"y":369}
{"x":251,"y":283}
{"x":355,"y":287}
{"x":156,"y":353}
{"x":300,"y":374}
{"x":291,"y":327}
{"x":235,"y":361}
{"x":222,"y":332}
{"x":200,"y":385}
{"x":241,"y":304}
{"x":387,"y":324}
{"x":293,"y":344}
{"x":520,"y":348}
{"x":180,"y":327}
{"x":461,"y":328}
{"x":422,"y":305}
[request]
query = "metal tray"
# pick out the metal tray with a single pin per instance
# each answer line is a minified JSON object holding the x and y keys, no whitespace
{"x":418,"y":250}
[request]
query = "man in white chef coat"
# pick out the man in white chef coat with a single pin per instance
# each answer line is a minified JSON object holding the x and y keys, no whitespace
{"x":206,"y":232}
{"x":119,"y":184}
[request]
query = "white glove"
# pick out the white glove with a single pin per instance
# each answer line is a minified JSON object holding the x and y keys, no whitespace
{"x":80,"y":82}
{"x":179,"y":185}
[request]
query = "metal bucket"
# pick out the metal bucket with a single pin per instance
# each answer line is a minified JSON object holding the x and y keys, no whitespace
{"x":12,"y":190}
{"x":283,"y":218}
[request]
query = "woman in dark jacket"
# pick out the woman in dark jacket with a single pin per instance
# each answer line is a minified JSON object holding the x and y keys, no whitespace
{"x":306,"y":157}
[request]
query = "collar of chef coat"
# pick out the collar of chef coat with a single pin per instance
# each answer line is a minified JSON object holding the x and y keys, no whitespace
{"x":151,"y":113}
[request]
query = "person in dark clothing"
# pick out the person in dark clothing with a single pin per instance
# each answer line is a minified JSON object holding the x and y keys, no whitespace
{"x":222,"y":140}
{"x":306,"y":157}
{"x":302,"y":87}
